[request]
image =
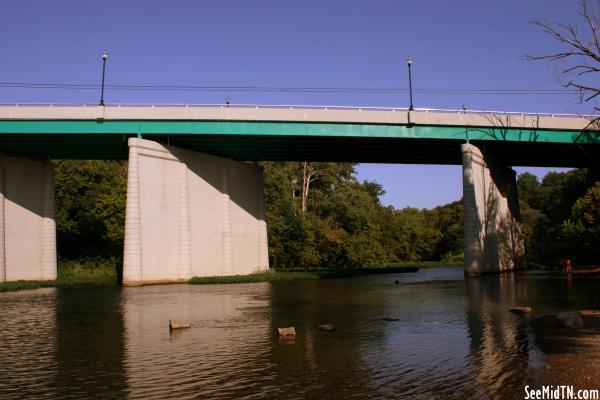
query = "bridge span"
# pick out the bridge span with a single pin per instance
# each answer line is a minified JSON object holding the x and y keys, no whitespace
{"x":195,"y":208}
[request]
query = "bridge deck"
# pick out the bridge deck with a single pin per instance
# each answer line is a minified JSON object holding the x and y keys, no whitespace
{"x":299,"y":133}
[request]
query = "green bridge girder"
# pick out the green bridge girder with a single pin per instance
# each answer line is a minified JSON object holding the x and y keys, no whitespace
{"x":300,"y":141}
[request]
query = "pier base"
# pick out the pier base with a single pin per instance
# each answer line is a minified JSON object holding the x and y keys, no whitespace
{"x":27,"y":226}
{"x":492,"y":230}
{"x":191,"y":214}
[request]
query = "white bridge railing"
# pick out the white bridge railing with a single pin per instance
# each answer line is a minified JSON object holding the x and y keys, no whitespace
{"x":306,"y":107}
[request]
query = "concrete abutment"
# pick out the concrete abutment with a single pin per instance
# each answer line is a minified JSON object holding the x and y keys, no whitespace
{"x":27,"y":224}
{"x":493,"y":241}
{"x":191,"y":214}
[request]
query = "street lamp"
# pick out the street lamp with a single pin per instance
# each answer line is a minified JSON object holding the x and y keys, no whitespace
{"x":104,"y":57}
{"x":409,"y":63}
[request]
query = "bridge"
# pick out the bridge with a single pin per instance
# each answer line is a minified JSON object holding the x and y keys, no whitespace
{"x":195,"y":207}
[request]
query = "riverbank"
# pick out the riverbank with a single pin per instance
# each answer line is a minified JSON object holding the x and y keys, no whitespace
{"x":71,"y":274}
{"x":74,"y":274}
{"x":422,"y":264}
{"x":275,"y":275}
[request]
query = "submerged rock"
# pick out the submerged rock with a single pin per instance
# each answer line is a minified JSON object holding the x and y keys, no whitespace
{"x":570,"y":319}
{"x":289,"y":331}
{"x":327,"y":327}
{"x":390,"y":318}
{"x":520,"y":310}
{"x":174,"y":324}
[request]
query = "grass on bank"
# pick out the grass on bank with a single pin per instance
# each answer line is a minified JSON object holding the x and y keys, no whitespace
{"x":72,"y":274}
{"x":458,"y":262}
{"x":103,"y":273}
{"x":277,"y":275}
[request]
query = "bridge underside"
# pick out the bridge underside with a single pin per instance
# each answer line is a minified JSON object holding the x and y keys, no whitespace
{"x":304,"y":148}
{"x":190,"y":213}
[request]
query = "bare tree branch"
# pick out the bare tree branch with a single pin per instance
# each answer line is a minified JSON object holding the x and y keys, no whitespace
{"x":593,"y":24}
{"x":579,"y":57}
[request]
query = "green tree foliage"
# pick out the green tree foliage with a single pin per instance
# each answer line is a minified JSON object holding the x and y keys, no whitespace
{"x":340,"y":222}
{"x":582,"y":229}
{"x":318,"y":215}
{"x":560,"y":216}
{"x":448,"y":221}
{"x":90,"y":208}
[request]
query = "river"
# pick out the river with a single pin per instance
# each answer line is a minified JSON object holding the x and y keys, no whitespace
{"x":454,"y":338}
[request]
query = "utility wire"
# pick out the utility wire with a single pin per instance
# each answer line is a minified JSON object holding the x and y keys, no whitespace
{"x":68,"y":86}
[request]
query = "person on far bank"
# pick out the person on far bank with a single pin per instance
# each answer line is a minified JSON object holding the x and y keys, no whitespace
{"x":568,"y":265}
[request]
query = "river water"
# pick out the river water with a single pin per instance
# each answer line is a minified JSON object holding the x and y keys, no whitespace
{"x":454,"y":338}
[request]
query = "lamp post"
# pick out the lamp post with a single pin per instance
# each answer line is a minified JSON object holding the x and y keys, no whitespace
{"x":104,"y":57}
{"x":409,"y":63}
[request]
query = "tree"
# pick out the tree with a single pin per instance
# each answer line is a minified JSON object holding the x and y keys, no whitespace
{"x":583,"y":226}
{"x":90,"y":208}
{"x":578,"y":59}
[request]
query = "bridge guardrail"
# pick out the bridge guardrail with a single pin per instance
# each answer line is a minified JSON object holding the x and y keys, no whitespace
{"x":307,"y":107}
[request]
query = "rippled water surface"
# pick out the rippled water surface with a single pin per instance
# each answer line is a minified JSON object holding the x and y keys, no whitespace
{"x":454,"y":338}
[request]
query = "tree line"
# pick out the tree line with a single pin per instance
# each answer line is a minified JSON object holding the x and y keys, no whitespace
{"x":321,"y":215}
{"x":318,"y":215}
{"x":561,"y":216}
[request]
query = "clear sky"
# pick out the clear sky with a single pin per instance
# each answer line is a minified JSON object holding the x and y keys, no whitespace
{"x":459,"y":44}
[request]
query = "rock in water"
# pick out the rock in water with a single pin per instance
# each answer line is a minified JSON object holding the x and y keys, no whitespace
{"x":327,"y":327}
{"x":571,"y":319}
{"x":390,"y":318}
{"x":520,"y":310}
{"x":290,"y":331}
{"x":174,"y":324}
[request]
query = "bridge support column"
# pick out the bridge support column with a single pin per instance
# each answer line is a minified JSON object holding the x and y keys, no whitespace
{"x":191,"y":214}
{"x":27,"y":226}
{"x":492,"y":231}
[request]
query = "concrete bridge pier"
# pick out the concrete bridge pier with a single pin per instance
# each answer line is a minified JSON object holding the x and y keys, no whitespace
{"x":492,"y":230}
{"x":27,"y":226}
{"x":191,"y":214}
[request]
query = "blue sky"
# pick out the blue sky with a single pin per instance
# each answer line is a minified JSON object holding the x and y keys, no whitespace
{"x":352,"y":44}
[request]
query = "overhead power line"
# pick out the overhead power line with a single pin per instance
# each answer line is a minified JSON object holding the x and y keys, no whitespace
{"x":70,"y":86}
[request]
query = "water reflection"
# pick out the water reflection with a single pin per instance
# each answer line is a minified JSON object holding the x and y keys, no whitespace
{"x":499,"y":348}
{"x":27,"y":344}
{"x":454,"y":338}
{"x":223,"y":355}
{"x":89,"y":344}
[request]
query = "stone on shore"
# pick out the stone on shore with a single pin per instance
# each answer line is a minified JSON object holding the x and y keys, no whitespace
{"x":289,"y":331}
{"x":570,"y":319}
{"x":174,"y":324}
{"x":327,"y":327}
{"x":520,"y":310}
